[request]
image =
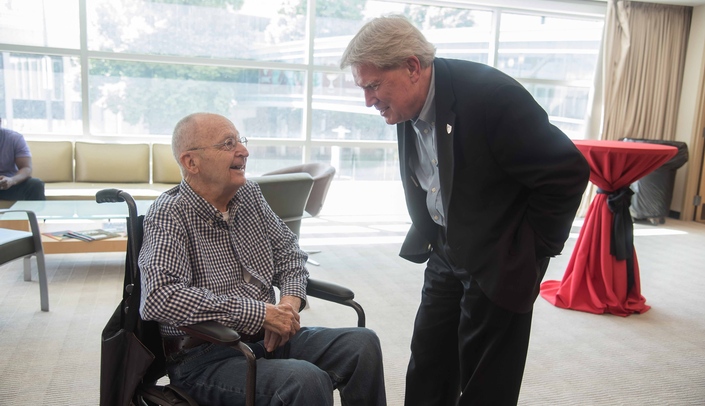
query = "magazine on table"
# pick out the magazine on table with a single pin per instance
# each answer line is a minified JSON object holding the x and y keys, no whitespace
{"x":84,"y":235}
{"x":58,"y":235}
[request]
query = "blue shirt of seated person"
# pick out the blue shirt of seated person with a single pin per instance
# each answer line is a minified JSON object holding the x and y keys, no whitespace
{"x":16,"y":181}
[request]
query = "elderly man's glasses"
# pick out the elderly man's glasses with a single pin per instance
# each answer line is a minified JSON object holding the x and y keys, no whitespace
{"x":227,"y":145}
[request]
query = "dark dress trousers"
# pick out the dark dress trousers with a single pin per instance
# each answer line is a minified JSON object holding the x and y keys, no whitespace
{"x":511,"y":184}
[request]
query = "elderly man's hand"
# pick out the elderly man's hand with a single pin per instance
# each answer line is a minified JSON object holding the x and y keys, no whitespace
{"x":281,"y":322}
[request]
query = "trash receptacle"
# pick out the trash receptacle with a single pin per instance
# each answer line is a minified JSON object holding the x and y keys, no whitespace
{"x":653,"y":193}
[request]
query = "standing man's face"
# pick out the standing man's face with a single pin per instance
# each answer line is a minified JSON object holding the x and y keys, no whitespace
{"x":391,"y":91}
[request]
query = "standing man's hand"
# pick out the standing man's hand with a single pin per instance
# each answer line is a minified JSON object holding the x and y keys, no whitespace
{"x":281,"y":322}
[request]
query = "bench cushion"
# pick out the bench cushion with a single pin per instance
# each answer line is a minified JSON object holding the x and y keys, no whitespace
{"x":121,"y":163}
{"x":164,"y":166}
{"x":52,"y":161}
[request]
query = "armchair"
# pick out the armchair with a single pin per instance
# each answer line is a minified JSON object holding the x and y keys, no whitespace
{"x":287,"y":195}
{"x":15,"y":244}
{"x":322,"y":175}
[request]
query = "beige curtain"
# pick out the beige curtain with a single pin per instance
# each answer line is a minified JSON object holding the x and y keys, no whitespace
{"x":644,"y":55}
{"x":638,"y":88}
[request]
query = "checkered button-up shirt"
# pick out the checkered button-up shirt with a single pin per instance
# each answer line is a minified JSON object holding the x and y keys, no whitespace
{"x":192,"y":261}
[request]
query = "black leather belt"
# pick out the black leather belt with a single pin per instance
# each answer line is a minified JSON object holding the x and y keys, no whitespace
{"x":174,"y":345}
{"x":246,"y":338}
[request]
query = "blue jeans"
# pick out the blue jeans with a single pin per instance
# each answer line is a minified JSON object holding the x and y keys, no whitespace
{"x":303,"y":372}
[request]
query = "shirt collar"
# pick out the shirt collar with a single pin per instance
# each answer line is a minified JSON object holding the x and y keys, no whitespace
{"x":201,"y":205}
{"x":428,"y":112}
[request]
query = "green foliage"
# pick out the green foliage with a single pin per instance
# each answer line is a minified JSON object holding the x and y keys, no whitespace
{"x":158,"y":95}
{"x":236,"y":4}
{"x":348,"y":9}
{"x":345,"y":9}
{"x":155,"y":95}
{"x":426,"y":17}
{"x":126,"y":69}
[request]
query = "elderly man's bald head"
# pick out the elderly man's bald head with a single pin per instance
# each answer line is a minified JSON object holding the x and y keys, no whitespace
{"x":184,"y":133}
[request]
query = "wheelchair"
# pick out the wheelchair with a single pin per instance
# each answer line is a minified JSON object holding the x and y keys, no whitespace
{"x":132,"y":354}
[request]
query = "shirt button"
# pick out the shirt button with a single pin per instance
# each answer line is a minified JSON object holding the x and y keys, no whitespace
{"x":433,"y":190}
{"x":425,"y":131}
{"x":433,"y":161}
{"x":435,"y":217}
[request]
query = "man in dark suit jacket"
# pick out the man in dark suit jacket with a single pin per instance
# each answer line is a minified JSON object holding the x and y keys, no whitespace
{"x":492,"y":189}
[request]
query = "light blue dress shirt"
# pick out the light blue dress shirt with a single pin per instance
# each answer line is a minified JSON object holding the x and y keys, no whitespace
{"x":426,"y":165}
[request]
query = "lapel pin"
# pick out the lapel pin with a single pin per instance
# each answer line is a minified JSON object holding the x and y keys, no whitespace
{"x":449,"y":128}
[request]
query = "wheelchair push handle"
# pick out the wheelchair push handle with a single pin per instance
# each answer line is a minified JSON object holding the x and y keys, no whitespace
{"x":109,"y":196}
{"x":116,"y":195}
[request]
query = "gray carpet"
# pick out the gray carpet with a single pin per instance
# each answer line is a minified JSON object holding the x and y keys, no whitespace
{"x":575,"y":358}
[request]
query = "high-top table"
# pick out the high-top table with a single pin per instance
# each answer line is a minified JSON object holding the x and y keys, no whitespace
{"x":67,"y":210}
{"x":602,"y":275}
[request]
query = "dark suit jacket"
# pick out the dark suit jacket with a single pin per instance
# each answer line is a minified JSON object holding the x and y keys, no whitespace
{"x":511,"y":182}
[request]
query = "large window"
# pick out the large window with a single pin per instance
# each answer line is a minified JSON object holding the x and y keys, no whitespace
{"x":40,"y":93}
{"x":555,"y":58}
{"x":231,"y":29}
{"x":125,"y":70}
{"x":149,"y":98}
{"x":43,"y":23}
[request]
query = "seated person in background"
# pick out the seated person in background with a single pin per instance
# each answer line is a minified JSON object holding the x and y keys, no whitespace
{"x":213,"y":250}
{"x":16,"y":181}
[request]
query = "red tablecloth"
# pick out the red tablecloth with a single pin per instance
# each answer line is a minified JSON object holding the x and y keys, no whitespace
{"x":595,"y":280}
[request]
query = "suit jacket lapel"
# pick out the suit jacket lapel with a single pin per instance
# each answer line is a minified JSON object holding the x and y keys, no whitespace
{"x":445,"y":130}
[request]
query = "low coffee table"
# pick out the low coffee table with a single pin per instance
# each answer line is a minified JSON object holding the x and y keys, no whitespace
{"x":67,"y":210}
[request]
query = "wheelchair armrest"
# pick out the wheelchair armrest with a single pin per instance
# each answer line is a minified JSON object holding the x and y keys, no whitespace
{"x":329,"y":291}
{"x":217,"y":333}
{"x":212,"y":331}
{"x":337,"y":294}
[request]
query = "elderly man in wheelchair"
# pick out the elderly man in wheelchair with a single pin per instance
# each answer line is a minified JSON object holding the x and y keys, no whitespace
{"x":213,"y":250}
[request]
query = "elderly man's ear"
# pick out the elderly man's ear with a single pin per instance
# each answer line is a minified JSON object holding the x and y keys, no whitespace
{"x":189,"y":162}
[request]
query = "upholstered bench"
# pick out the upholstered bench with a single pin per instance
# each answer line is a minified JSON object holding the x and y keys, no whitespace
{"x":76,"y":171}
